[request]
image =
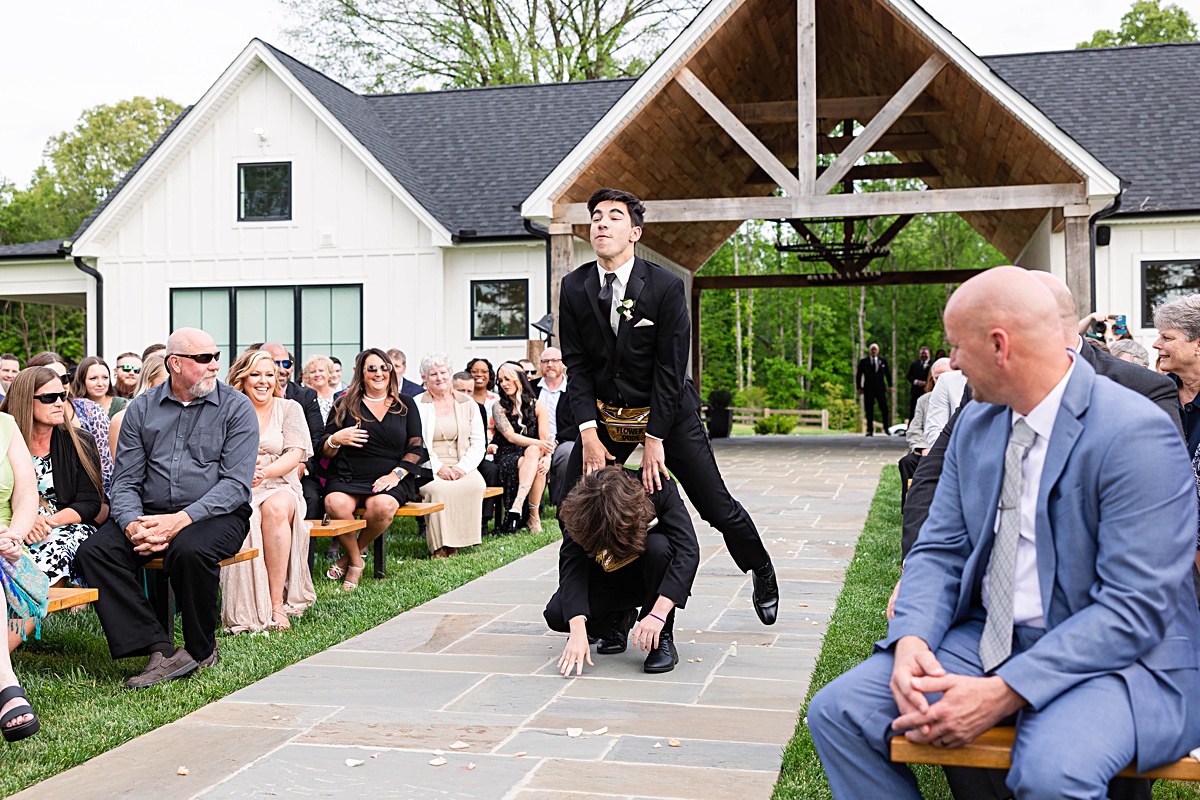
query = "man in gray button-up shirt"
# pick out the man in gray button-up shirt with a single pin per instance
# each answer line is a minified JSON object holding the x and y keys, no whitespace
{"x":181,"y":491}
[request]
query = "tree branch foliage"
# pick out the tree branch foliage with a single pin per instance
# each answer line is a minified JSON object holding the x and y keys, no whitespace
{"x":1147,"y":22}
{"x":397,"y":45}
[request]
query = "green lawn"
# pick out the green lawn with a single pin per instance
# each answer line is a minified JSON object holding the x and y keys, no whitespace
{"x":76,"y":688}
{"x":857,"y":622}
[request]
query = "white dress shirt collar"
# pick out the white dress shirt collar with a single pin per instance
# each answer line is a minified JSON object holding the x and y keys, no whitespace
{"x":1041,"y":417}
{"x":622,"y":272}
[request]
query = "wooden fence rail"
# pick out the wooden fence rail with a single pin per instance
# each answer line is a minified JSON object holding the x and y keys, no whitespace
{"x":809,"y":418}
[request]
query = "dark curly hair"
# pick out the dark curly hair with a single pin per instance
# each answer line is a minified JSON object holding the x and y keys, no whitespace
{"x":608,"y":510}
{"x":637,"y":211}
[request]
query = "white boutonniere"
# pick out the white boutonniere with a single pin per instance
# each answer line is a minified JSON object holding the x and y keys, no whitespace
{"x":625,"y":309}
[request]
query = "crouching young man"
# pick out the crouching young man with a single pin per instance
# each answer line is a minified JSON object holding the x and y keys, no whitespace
{"x":622,"y":550}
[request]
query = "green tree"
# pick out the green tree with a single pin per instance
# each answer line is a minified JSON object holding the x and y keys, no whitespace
{"x":394,"y":45}
{"x":1147,"y":22}
{"x":80,"y":167}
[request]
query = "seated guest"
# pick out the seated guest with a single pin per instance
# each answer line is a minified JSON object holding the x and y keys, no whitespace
{"x":529,"y":368}
{"x":1073,"y":662}
{"x":92,"y":381}
{"x":317,"y":370}
{"x":18,"y":517}
{"x":17,"y":720}
{"x":152,"y":349}
{"x":943,"y":400}
{"x":67,"y":468}
{"x":125,"y":376}
{"x":83,"y":413}
{"x":9,"y":367}
{"x":335,"y":377}
{"x":374,"y":440}
{"x":453,"y":434}
{"x":523,"y":447}
{"x":915,"y":435}
{"x":400,"y":364}
{"x":310,"y":407}
{"x":181,"y":493}
{"x":152,"y":373}
{"x":485,"y":382}
{"x":265,"y":592}
{"x":1131,"y":351}
{"x":552,"y":392}
{"x":463,"y":382}
{"x":622,"y":549}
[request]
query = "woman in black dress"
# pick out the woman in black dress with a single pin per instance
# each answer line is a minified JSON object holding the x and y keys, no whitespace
{"x":523,"y":446}
{"x":373,"y":439}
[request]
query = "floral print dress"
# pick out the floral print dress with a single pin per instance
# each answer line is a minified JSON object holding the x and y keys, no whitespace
{"x":55,"y":555}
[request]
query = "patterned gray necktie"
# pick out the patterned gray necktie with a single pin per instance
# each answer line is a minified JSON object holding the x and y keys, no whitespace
{"x":606,"y":296}
{"x":996,"y":643}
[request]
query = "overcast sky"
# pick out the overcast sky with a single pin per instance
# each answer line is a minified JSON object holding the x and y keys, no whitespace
{"x":62,"y":56}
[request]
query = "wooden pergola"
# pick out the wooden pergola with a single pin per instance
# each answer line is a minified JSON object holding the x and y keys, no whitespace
{"x":726,"y":126}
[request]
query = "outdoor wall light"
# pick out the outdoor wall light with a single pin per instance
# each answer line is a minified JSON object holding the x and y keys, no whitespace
{"x":261,"y":133}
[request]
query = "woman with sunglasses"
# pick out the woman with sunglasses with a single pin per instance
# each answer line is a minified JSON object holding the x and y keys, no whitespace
{"x":83,"y":413}
{"x":93,"y":381}
{"x":152,"y":372}
{"x":67,"y":469}
{"x":374,"y":440}
{"x":523,"y":446}
{"x":266,"y":592}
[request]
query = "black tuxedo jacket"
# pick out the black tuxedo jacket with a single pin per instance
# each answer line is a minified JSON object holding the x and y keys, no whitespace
{"x":1158,"y":388}
{"x":643,"y":365}
{"x":576,"y":568}
{"x":564,"y":418}
{"x":409,"y":388}
{"x":873,"y":381}
{"x":307,"y":398}
{"x":918,"y":371}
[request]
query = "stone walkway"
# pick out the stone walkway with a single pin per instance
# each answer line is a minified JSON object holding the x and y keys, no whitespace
{"x":477,"y":666}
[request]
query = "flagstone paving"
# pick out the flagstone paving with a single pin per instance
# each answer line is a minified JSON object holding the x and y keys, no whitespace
{"x":477,"y":665}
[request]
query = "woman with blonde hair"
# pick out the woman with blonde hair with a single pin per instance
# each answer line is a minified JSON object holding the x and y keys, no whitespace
{"x":523,"y":445}
{"x":265,"y":592}
{"x":453,"y":431}
{"x":317,"y":374}
{"x":154,"y":372}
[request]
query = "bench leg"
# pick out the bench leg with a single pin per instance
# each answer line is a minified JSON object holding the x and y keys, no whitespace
{"x":164,"y":602}
{"x":380,"y":561}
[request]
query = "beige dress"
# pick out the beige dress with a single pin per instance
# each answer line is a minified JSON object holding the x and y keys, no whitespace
{"x":245,"y":593}
{"x":458,"y":525}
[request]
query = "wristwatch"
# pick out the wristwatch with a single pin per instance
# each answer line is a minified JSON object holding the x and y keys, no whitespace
{"x":399,"y":472}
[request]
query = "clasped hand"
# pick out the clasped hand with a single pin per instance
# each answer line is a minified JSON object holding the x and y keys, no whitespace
{"x":42,"y":527}
{"x":10,"y":544}
{"x":450,"y":473}
{"x":968,"y":706}
{"x":151,"y":533}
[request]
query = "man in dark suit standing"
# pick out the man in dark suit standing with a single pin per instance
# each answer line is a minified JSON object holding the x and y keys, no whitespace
{"x":625,"y":333}
{"x":917,"y":377}
{"x":872,"y":381}
{"x":400,"y":364}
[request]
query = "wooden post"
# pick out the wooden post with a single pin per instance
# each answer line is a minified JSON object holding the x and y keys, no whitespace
{"x":696,"y":366}
{"x":806,"y":81}
{"x":562,"y":261}
{"x":1079,"y":263}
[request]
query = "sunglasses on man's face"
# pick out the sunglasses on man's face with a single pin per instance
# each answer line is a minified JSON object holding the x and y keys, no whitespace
{"x":532,"y":373}
{"x":200,"y":358}
{"x":285,"y":364}
{"x":373,"y":368}
{"x":50,"y":398}
{"x":129,"y":368}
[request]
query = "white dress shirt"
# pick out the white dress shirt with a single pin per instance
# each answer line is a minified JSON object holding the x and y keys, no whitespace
{"x":1027,"y":593}
{"x":622,"y":273}
{"x":943,"y":401}
{"x":550,"y":398}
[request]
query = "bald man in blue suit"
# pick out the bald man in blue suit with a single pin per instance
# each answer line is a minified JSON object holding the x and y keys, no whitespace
{"x":1100,"y":629}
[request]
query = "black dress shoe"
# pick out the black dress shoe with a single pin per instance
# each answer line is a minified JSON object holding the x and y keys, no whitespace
{"x":664,"y":657}
{"x":616,"y":640}
{"x":766,"y":593}
{"x":512,"y":522}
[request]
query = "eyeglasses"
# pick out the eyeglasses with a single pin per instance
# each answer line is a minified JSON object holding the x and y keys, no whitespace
{"x":285,"y":364}
{"x":199,"y":358}
{"x":129,"y":368}
{"x":373,"y":368}
{"x":550,"y":361}
{"x":50,"y":398}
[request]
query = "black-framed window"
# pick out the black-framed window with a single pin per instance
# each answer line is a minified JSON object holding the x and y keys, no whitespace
{"x":1166,"y":280}
{"x":322,"y":319}
{"x":500,"y":309}
{"x":264,"y":192}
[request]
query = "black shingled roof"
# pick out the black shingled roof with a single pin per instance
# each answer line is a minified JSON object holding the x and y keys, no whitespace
{"x":471,"y":156}
{"x":47,"y":249}
{"x":1137,"y":109}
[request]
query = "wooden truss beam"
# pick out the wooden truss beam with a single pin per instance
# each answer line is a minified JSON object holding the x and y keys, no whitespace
{"x":701,"y":283}
{"x":806,"y":106}
{"x":892,"y":142}
{"x":739,"y":132}
{"x":862,"y":109}
{"x":884,"y":120}
{"x":865,"y":172}
{"x":867,"y":204}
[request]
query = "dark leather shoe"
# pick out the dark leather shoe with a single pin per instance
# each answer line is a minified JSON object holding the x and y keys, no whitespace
{"x":618,"y":638}
{"x":163,"y":668}
{"x":664,"y":657}
{"x":512,"y":522}
{"x":766,"y":593}
{"x":213,"y":659}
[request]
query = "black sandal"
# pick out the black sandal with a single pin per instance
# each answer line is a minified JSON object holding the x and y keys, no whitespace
{"x":26,"y":729}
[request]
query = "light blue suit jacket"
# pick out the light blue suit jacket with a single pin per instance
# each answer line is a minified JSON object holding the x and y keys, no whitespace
{"x":1116,"y":538}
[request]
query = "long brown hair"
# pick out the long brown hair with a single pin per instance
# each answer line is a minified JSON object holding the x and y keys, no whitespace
{"x":19,"y":404}
{"x":350,"y":403}
{"x":608,"y":510}
{"x":522,"y":408}
{"x":78,"y":387}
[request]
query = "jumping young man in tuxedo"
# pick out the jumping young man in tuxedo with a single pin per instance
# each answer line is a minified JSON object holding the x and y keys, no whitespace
{"x":625,"y":334}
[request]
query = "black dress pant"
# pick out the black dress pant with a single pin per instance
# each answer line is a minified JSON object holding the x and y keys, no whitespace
{"x":690,"y":459}
{"x":968,"y":783}
{"x":491,"y":477}
{"x":634,"y":585}
{"x":869,"y":401}
{"x":914,"y":396}
{"x":107,"y":562}
{"x":314,"y":506}
{"x":908,"y":466}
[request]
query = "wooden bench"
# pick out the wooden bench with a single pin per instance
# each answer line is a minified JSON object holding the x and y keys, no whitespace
{"x":165,"y":598}
{"x":378,"y":559}
{"x":334,"y":527}
{"x":63,"y":597}
{"x":493,"y":491}
{"x":993,"y":750}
